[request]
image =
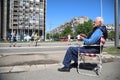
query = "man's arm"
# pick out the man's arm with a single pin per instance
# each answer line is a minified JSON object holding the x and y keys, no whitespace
{"x":94,"y":38}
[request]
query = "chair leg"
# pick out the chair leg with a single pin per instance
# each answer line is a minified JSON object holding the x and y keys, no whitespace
{"x":100,"y":64}
{"x":97,"y":70}
{"x":80,"y":60}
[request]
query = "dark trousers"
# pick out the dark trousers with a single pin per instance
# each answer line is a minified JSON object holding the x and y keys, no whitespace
{"x":72,"y":54}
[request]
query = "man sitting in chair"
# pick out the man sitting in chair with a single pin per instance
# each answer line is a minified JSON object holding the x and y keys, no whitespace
{"x":93,"y":38}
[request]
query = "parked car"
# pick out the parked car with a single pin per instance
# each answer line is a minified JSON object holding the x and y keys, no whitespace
{"x":63,"y":39}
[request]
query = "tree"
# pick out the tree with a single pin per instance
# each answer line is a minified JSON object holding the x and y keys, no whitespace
{"x":66,"y":31}
{"x":85,"y":28}
{"x":56,"y":35}
{"x":48,"y":36}
{"x":111,"y":35}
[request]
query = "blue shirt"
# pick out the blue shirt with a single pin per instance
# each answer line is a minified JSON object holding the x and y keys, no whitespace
{"x":94,"y":37}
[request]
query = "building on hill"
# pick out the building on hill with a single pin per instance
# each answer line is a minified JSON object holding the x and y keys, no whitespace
{"x":73,"y":22}
{"x":76,"y":21}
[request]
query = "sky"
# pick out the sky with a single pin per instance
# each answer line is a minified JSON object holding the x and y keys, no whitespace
{"x":60,"y":11}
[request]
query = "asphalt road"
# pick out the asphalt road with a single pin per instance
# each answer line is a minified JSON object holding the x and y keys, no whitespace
{"x":108,"y":43}
{"x":30,"y":50}
{"x":51,"y":46}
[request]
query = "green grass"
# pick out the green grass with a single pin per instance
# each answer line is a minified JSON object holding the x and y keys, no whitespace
{"x":112,"y":50}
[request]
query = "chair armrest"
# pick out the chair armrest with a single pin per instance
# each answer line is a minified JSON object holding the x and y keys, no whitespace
{"x":91,"y":45}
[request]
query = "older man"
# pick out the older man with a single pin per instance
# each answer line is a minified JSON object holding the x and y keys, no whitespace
{"x":93,"y":38}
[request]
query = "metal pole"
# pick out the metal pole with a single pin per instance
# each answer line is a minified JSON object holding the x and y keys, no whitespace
{"x":12,"y":14}
{"x":39,"y":20}
{"x":43,"y":21}
{"x":29,"y":21}
{"x":116,"y":24}
{"x":45,"y":9}
{"x":101,"y":8}
{"x":0,"y":20}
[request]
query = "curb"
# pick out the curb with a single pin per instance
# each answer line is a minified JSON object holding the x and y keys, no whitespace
{"x":26,"y":68}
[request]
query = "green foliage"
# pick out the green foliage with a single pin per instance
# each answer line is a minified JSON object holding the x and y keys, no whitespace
{"x":112,"y":50}
{"x":85,"y":28}
{"x":66,"y":31}
{"x":111,"y":35}
{"x":48,"y":36}
{"x":56,"y":35}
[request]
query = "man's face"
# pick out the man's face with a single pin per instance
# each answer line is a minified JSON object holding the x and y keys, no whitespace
{"x":96,"y":23}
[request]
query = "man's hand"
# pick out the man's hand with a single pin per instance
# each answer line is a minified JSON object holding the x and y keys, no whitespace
{"x":83,"y":35}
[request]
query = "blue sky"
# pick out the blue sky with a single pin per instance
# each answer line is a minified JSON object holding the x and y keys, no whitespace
{"x":61,"y":11}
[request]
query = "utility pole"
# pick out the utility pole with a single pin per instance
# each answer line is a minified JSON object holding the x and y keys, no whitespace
{"x":116,"y":24}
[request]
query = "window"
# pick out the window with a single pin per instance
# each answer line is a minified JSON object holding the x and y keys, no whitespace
{"x":41,"y":0}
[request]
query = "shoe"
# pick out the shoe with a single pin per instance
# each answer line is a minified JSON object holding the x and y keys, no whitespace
{"x":64,"y":69}
{"x":73,"y":65}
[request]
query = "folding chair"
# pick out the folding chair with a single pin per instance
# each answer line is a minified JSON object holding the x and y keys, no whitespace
{"x":88,"y":67}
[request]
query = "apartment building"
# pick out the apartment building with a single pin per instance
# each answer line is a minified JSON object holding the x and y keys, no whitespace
{"x":24,"y":16}
{"x":110,"y":27}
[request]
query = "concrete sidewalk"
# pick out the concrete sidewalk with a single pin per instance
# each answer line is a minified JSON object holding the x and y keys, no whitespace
{"x":30,"y":62}
{"x":110,"y":71}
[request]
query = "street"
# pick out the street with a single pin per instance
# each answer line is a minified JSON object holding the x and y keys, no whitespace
{"x":54,"y":51}
{"x":50,"y":46}
{"x":108,"y":43}
{"x":30,"y":50}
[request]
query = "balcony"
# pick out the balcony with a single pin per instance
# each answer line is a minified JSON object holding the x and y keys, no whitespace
{"x":31,"y":8}
{"x":15,"y":18}
{"x":15,"y":22}
{"x":26,"y":10}
{"x":36,"y":0}
{"x":31,"y":0}
{"x":27,"y":4}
